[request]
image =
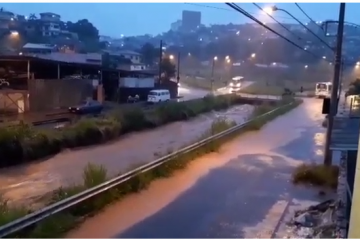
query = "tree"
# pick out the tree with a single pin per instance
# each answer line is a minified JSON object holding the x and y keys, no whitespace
{"x":168,"y":67}
{"x":85,"y":30}
{"x":32,"y":17}
{"x":149,"y":53}
{"x":87,"y":33}
{"x":354,"y":88}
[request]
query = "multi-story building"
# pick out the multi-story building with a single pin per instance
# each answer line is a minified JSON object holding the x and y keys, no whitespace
{"x":175,"y":26}
{"x":6,"y":18}
{"x":131,"y":55}
{"x":191,"y":20}
{"x":51,"y":24}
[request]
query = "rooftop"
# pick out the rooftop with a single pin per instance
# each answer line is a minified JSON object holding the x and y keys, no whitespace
{"x":80,"y":58}
{"x":50,"y":13}
{"x":38,"y":46}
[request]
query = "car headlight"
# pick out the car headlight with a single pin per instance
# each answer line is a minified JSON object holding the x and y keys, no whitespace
{"x":77,"y":108}
{"x":231,"y":84}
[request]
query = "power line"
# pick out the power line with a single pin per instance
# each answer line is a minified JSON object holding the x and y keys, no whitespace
{"x":303,"y":11}
{"x":314,"y":34}
{"x":242,"y":11}
{"x":229,"y":10}
{"x":282,"y":25}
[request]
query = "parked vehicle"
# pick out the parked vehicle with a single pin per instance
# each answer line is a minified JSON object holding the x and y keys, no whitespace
{"x":159,"y":95}
{"x":87,"y":107}
{"x":133,"y":99}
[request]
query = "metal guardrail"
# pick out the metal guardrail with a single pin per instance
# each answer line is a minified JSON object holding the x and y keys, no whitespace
{"x":62,"y":205}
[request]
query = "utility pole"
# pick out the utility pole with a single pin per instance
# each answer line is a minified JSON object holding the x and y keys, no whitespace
{"x":335,"y":85}
{"x":178,"y":68}
{"x":160,"y":60}
{"x":212,"y":74}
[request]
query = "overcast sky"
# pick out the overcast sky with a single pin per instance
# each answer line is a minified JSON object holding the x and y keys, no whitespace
{"x":114,"y":19}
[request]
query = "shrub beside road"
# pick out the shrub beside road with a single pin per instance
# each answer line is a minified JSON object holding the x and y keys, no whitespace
{"x":60,"y":223}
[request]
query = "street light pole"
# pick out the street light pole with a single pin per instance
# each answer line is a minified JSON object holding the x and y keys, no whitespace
{"x":309,"y":30}
{"x":335,"y":85}
{"x":160,"y":60}
{"x":178,"y":68}
{"x":212,"y":74}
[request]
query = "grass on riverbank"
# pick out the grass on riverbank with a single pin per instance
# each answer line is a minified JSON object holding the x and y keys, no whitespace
{"x":317,"y":175}
{"x":203,"y":83}
{"x":24,"y":143}
{"x":263,"y":87}
{"x":58,"y":224}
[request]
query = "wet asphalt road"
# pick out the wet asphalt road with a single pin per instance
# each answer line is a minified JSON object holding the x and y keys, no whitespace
{"x":241,"y":191}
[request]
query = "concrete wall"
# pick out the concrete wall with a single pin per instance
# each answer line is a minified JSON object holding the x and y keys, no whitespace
{"x":130,"y":82}
{"x":15,"y":102}
{"x":51,"y":94}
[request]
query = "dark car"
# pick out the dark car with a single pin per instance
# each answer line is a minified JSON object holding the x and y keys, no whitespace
{"x":87,"y":107}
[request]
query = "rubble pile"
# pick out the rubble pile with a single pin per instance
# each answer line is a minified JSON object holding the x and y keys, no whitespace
{"x":317,"y":221}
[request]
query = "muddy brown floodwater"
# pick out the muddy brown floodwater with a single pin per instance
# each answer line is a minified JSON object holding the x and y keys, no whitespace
{"x":27,"y":184}
{"x":241,"y":191}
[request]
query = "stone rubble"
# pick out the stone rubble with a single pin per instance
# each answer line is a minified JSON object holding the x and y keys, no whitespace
{"x":316,"y":221}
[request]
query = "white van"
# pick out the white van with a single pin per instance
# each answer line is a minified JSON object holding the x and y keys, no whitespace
{"x":159,"y":95}
{"x":323,"y":89}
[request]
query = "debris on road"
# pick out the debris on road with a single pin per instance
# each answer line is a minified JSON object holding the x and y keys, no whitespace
{"x":317,"y":221}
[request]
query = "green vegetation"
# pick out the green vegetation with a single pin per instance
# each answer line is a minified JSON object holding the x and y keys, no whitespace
{"x":59,"y":224}
{"x":354,"y":88}
{"x":263,"y":87}
{"x":203,"y":83}
{"x":316,"y":174}
{"x":24,"y":143}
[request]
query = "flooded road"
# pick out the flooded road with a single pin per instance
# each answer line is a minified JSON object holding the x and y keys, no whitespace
{"x":241,"y":191}
{"x":28,"y":184}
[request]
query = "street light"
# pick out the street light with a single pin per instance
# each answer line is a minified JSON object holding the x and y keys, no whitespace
{"x":306,"y":66}
{"x":324,"y":57}
{"x":227,"y":57}
{"x":253,"y":55}
{"x":215,"y":58}
{"x":228,"y":60}
{"x":14,"y":33}
{"x":268,"y":10}
{"x":171,"y":57}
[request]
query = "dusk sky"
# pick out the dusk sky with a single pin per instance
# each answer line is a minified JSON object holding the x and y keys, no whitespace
{"x":114,"y":19}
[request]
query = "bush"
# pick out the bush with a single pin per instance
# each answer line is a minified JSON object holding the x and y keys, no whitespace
{"x":9,"y":214}
{"x":57,"y":225}
{"x":317,"y":175}
{"x":24,"y":143}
